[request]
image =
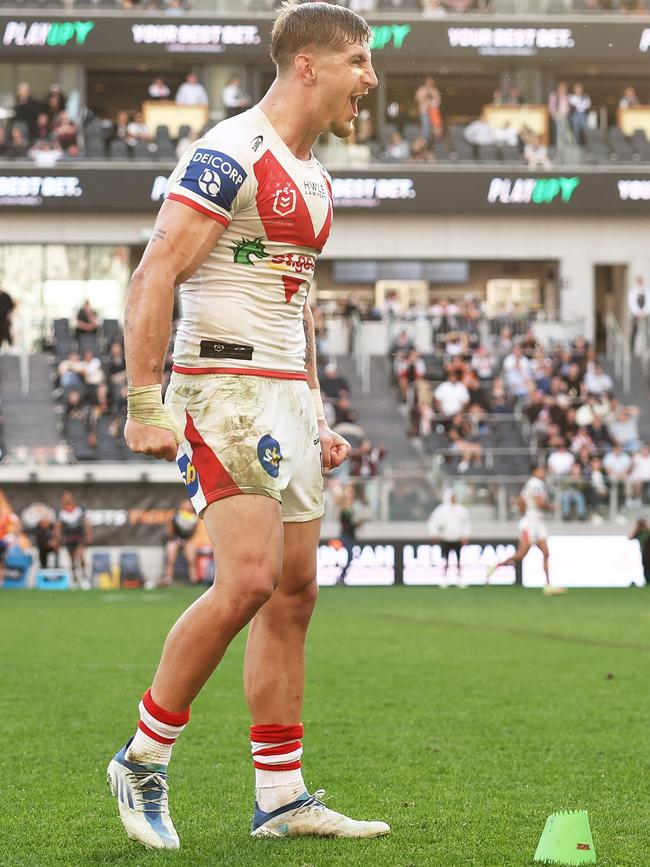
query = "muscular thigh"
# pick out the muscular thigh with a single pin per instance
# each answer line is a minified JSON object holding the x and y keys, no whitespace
{"x":246,"y":536}
{"x":300,"y":552}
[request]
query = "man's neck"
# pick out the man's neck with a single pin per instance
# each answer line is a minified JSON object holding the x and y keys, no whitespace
{"x":292,"y":118}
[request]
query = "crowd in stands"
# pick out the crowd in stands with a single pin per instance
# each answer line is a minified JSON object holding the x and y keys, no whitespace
{"x":555,"y":404}
{"x":52,"y":127}
{"x":416,"y":131}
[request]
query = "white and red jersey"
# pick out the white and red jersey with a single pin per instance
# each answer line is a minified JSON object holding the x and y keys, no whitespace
{"x":242,"y":310}
{"x":533,"y":489}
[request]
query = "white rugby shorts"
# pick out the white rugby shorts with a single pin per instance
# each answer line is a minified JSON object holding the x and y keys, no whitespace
{"x":532,"y":530}
{"x":248,"y":434}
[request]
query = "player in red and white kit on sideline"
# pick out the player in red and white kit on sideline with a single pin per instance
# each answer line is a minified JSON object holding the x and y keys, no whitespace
{"x":533,"y":502}
{"x":248,"y":211}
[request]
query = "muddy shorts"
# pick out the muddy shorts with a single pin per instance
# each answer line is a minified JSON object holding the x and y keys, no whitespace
{"x":248,"y":435}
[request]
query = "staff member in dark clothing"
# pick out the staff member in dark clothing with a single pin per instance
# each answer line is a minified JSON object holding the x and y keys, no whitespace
{"x":181,"y":529}
{"x":351,"y":520}
{"x":641,"y":533}
{"x":6,"y":309}
{"x":47,"y":543}
{"x":73,"y":532}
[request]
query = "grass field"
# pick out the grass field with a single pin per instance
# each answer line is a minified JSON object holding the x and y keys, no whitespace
{"x":462,"y":718}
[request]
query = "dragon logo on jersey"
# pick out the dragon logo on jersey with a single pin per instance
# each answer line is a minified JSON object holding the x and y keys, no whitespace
{"x":284,"y":202}
{"x":270,"y":455}
{"x":245,"y":249}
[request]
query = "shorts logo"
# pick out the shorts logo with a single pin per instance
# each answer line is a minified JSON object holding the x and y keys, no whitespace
{"x":270,"y":455}
{"x":209,"y":183}
{"x":213,"y":176}
{"x":189,"y":474}
{"x":284,"y":202}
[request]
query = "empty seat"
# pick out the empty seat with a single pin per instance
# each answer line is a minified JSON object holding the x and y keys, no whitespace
{"x":597,"y":146}
{"x":89,"y":340}
{"x":510,"y":153}
{"x":184,"y":132}
{"x":166,"y":147}
{"x":620,"y":146}
{"x":488,"y":153}
{"x":441,"y":151}
{"x":130,"y":570}
{"x":111,"y":330}
{"x":118,"y":150}
{"x":412,"y":132}
{"x":460,"y":148}
{"x":641,"y":144}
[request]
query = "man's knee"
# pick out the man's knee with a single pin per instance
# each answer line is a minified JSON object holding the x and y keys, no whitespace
{"x":298,"y":605}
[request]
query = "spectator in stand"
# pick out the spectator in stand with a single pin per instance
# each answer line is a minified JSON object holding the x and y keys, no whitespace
{"x":86,"y":322}
{"x":451,"y":396}
{"x":18,"y":145}
{"x":397,"y":148}
{"x":507,"y":135}
{"x":3,"y":140}
{"x":597,"y":492}
{"x":597,"y":382}
{"x":93,"y":372}
{"x":365,"y":133}
{"x":427,"y":97}
{"x":517,"y":376}
{"x":499,"y":403}
{"x":192,"y":92}
{"x":343,"y":412}
{"x":629,"y":99}
{"x":536,"y":154}
{"x":409,"y":370}
{"x":497,"y":97}
{"x":54,"y":101}
{"x":365,"y":461}
{"x":639,"y":476}
{"x":483,"y":363}
{"x":420,"y":152}
{"x":560,"y":461}
{"x":573,"y":488}
{"x":559,"y":108}
{"x":465,"y":442}
{"x":624,"y":427}
{"x":7,"y":306}
{"x":638,"y":302}
{"x":26,"y":108}
{"x":233,"y":98}
{"x":580,"y":103}
{"x":574,"y":381}
{"x":45,"y":154}
{"x":116,"y":364}
{"x":333,"y":384}
{"x":120,"y":127}
{"x":42,"y":128}
{"x":137,"y":130}
{"x":514,"y":96}
{"x":65,"y":131}
{"x":159,"y":89}
{"x":617,"y":464}
{"x":599,"y":434}
{"x":71,"y":371}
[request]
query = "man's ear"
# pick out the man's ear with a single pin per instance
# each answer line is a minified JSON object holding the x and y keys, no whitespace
{"x":305,"y":68}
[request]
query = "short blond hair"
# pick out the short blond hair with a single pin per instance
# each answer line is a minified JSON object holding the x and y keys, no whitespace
{"x":324,"y":25}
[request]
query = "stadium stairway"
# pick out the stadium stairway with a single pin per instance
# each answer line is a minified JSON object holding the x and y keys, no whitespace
{"x":29,"y":419}
{"x":639,"y":394}
{"x":378,"y":411}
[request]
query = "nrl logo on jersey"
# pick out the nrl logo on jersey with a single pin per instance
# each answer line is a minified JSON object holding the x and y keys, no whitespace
{"x":284,"y":202}
{"x":245,"y":249}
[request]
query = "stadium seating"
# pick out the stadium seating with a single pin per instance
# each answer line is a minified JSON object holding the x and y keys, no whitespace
{"x":131,"y":575}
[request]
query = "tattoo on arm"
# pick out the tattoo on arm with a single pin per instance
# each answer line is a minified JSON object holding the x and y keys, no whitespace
{"x":309,"y":346}
{"x":158,"y":235}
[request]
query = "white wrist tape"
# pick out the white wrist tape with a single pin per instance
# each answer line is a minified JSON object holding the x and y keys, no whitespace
{"x":144,"y":405}
{"x":317,"y":400}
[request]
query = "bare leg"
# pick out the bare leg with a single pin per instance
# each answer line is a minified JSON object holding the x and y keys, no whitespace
{"x":171,"y":552}
{"x":249,"y":566}
{"x":517,"y":557}
{"x":274,"y":669}
{"x":190,"y":556}
{"x":543,"y":547}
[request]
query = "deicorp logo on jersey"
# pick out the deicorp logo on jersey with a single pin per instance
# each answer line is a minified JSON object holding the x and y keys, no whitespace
{"x":214,"y":176}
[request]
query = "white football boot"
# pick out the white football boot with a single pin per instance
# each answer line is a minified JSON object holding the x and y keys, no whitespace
{"x":309,"y":817}
{"x":141,"y":792}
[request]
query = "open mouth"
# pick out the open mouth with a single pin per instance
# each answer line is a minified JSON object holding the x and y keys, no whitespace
{"x":354,"y":102}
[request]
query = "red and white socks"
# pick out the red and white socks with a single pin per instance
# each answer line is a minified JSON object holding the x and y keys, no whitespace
{"x":156,"y":733}
{"x":276,"y":753}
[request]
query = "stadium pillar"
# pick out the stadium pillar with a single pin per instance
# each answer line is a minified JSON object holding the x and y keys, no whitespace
{"x":577,"y":292}
{"x":399,"y":564}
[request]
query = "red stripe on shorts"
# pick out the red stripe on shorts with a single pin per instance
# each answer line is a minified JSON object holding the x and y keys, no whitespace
{"x":212,"y":473}
{"x":241,"y":371}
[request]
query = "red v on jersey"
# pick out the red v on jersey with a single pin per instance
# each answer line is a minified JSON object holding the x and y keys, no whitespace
{"x":282,"y":208}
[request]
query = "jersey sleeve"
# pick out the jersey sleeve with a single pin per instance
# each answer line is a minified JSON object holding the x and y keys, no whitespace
{"x":214,"y":176}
